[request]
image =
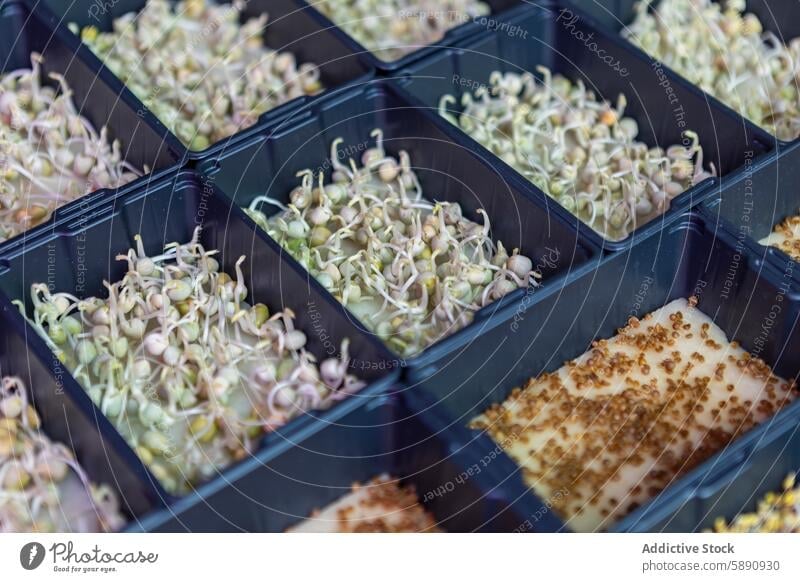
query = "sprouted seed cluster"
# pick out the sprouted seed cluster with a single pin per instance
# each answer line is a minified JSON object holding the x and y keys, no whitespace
{"x":186,"y":369}
{"x":727,"y":53}
{"x":577,"y":148}
{"x":393,"y":28}
{"x":200,"y":71}
{"x":413,"y":270}
{"x":42,"y":486}
{"x":611,"y":429}
{"x":776,"y":513}
{"x":382,"y":505}
{"x":49,"y":153}
{"x":785,"y":236}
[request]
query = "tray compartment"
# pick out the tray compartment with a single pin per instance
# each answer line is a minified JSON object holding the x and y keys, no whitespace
{"x":278,"y":488}
{"x":663,"y":104}
{"x":686,"y":259}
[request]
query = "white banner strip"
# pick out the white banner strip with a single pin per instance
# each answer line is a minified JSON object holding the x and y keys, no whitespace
{"x":399,"y":557}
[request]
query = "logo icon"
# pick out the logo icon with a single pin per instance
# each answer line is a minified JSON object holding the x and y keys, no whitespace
{"x":31,"y":555}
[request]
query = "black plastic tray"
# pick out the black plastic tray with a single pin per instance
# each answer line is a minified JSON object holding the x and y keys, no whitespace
{"x":96,"y":97}
{"x":290,"y":28}
{"x":314,"y":459}
{"x":268,"y":162}
{"x":80,"y":253}
{"x":552,"y":40}
{"x":281,"y":486}
{"x":685,"y":259}
{"x":500,"y":10}
{"x":68,"y":420}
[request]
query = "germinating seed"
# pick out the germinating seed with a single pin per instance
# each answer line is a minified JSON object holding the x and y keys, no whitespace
{"x":776,"y":513}
{"x":413,"y":270}
{"x":200,"y":71}
{"x":726,"y":52}
{"x":186,"y":369}
{"x":609,"y":430}
{"x":42,"y":486}
{"x":578,"y":149}
{"x":49,"y":153}
{"x":394,"y":28}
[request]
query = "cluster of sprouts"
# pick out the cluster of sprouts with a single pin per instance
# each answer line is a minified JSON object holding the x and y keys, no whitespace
{"x":394,"y":28}
{"x":578,"y":149}
{"x":42,"y":486}
{"x":412,"y":270}
{"x":776,"y":513}
{"x":726,"y":52}
{"x":49,"y":153}
{"x":200,"y":71}
{"x":186,"y":369}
